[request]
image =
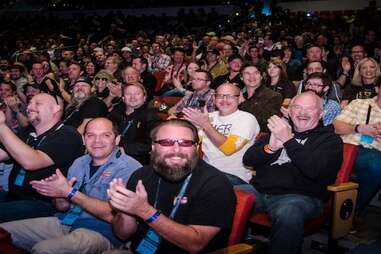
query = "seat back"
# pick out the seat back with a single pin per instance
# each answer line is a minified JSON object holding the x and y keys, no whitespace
{"x":6,"y":246}
{"x":312,"y":226}
{"x":160,"y":75}
{"x":244,"y":205}
{"x":349,"y":158}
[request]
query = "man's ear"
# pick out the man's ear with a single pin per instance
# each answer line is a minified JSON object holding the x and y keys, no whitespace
{"x":117,"y":140}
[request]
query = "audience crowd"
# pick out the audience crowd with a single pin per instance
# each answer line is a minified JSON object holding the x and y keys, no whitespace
{"x":269,"y":93}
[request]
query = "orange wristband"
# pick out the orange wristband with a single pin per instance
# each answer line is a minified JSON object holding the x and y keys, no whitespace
{"x":267,"y":149}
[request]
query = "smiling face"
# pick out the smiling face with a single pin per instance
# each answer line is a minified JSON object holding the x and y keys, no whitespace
{"x":273,"y":70}
{"x":41,"y":109}
{"x":130,"y":75}
{"x":174,"y":162}
{"x":227,"y":97}
{"x":306,"y":111}
{"x":252,"y":77}
{"x":134,"y":96}
{"x":368,"y":70}
{"x":100,"y":140}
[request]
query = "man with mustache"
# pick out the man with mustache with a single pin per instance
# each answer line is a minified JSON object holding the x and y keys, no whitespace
{"x":36,"y":153}
{"x":84,"y":105}
{"x":174,"y":205}
{"x":226,"y":134}
{"x":293,"y":169}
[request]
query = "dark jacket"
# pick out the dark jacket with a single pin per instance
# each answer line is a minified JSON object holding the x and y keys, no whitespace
{"x":135,"y":130}
{"x":263,"y":104}
{"x":311,"y":168}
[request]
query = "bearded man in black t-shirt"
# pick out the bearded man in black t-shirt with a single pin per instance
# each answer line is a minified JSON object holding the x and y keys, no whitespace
{"x":181,"y":203}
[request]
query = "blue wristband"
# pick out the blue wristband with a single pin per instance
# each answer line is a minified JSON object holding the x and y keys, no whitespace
{"x":153,"y":217}
{"x":71,"y":193}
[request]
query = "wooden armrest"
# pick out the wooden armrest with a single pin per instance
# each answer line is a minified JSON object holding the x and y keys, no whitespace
{"x":342,"y":186}
{"x":240,"y":248}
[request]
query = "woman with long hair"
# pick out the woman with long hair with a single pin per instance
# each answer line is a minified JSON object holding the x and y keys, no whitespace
{"x":278,"y":81}
{"x":363,"y":82}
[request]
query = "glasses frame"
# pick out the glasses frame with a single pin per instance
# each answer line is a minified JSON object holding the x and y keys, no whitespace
{"x":171,"y":142}
{"x":227,"y":96}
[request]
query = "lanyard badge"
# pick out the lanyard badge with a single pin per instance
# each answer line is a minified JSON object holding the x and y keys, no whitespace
{"x":150,"y":243}
{"x":151,"y":240}
{"x":19,"y":181}
{"x":74,"y":212}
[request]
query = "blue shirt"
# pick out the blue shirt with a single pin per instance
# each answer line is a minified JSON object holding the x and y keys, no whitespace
{"x":119,"y":165}
{"x":331,"y":110}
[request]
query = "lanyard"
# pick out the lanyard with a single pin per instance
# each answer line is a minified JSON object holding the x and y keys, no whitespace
{"x":178,"y":197}
{"x":20,"y":178}
{"x":129,"y":123}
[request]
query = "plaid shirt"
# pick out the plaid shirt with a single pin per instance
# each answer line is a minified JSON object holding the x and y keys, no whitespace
{"x":356,"y":113}
{"x":331,"y":110}
{"x":160,"y":62}
{"x":193,"y":99}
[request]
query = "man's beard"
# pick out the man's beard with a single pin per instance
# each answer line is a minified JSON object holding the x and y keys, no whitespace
{"x":79,"y":97}
{"x":173,"y":173}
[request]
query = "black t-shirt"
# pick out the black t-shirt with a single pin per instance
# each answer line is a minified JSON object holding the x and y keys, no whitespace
{"x":208,"y":200}
{"x":91,"y":108}
{"x":63,"y":144}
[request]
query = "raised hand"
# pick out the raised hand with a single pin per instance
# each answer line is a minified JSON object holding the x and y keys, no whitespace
{"x":197,"y":117}
{"x":280,"y":129}
{"x":126,"y":201}
{"x":56,"y":185}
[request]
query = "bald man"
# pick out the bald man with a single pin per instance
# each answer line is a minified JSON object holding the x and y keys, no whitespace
{"x":294,"y":166}
{"x":35,"y":154}
{"x":226,"y":134}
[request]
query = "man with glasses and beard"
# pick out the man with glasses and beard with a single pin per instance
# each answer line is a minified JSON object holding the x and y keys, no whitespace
{"x":174,"y":205}
{"x":319,"y":83}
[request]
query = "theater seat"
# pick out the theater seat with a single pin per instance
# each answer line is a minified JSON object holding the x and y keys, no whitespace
{"x":6,"y":246}
{"x":244,"y":205}
{"x":338,"y":211}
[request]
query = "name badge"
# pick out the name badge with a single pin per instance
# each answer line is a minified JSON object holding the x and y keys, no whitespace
{"x":19,"y":181}
{"x":366,"y":139}
{"x":150,"y":243}
{"x":71,"y":215}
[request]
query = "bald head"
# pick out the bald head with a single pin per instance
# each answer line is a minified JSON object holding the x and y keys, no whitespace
{"x":306,"y":109}
{"x":228,"y":87}
{"x":44,"y":110}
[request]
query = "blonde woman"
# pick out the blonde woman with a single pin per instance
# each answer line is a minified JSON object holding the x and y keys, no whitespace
{"x":363,"y":81}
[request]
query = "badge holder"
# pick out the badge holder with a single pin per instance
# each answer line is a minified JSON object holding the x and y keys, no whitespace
{"x":19,"y":181}
{"x":72,"y":215}
{"x":366,"y":139}
{"x":150,"y":243}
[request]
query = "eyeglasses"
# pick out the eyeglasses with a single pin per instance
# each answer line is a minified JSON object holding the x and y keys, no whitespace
{"x":103,"y":79}
{"x":314,"y":84}
{"x":171,"y":142}
{"x":227,"y":96}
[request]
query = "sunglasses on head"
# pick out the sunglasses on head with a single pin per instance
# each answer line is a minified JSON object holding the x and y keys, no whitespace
{"x":171,"y":142}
